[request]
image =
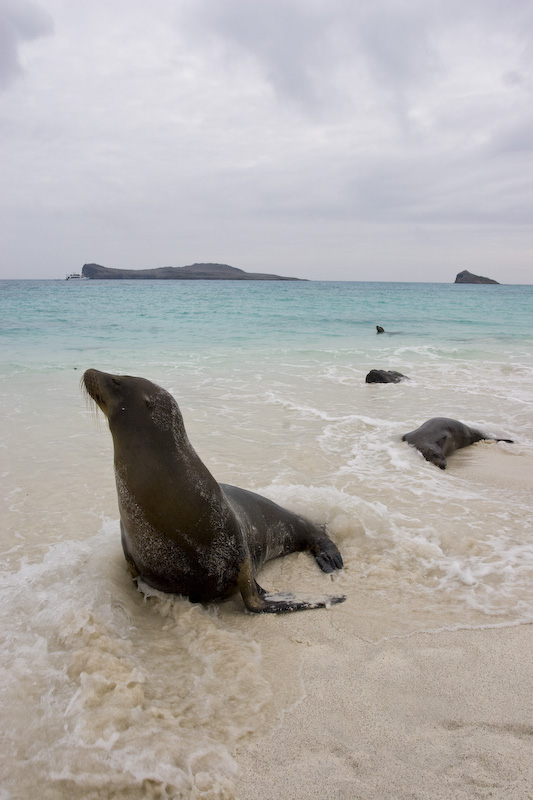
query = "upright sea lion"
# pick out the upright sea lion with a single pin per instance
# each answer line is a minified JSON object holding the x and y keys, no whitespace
{"x":384,"y":376}
{"x":440,"y":436}
{"x":379,"y":329}
{"x":182,"y":532}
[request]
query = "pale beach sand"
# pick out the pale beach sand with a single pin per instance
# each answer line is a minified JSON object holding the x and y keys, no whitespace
{"x":441,"y":715}
{"x":355,"y":714}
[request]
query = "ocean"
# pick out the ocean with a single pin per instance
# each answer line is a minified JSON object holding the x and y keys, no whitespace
{"x":110,"y":693}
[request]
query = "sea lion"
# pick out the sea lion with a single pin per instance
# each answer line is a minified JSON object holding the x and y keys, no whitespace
{"x":384,"y":376}
{"x":379,"y":329}
{"x":182,"y":532}
{"x":440,"y":436}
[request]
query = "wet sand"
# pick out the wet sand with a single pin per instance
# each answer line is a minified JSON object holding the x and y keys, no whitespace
{"x":434,"y":715}
{"x":443,"y":714}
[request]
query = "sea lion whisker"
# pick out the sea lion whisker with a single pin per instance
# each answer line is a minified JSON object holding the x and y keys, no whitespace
{"x":91,"y":402}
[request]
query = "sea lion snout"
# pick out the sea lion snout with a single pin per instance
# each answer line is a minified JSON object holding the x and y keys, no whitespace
{"x":90,"y":384}
{"x":103,"y":388}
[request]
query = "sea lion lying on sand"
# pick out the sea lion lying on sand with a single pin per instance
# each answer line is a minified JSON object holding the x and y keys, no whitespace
{"x":440,"y":436}
{"x":182,"y":532}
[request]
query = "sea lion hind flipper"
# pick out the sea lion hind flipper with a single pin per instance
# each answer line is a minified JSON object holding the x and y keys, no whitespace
{"x":280,"y":602}
{"x":258,"y":601}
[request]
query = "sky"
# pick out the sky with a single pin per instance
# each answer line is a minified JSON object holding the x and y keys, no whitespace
{"x":386,"y":140}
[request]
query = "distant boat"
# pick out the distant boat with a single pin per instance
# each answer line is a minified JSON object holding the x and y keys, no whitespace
{"x":75,"y":276}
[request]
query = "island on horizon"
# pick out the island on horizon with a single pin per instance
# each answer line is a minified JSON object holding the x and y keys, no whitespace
{"x":198,"y":272}
{"x":467,"y":277}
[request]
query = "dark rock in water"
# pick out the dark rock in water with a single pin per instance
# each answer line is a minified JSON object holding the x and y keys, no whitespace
{"x":384,"y":376}
{"x":198,"y":272}
{"x":466,"y":277}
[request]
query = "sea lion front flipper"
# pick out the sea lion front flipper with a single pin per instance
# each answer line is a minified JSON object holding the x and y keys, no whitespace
{"x":258,"y":601}
{"x":326,"y":554}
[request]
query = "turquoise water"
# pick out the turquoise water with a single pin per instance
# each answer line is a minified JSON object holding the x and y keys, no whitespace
{"x":270,"y":378}
{"x":53,"y":322}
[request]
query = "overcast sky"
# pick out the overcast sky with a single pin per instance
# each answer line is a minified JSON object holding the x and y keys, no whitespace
{"x":324,"y":139}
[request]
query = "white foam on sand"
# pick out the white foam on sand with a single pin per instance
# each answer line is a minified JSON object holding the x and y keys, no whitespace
{"x":107,"y":694}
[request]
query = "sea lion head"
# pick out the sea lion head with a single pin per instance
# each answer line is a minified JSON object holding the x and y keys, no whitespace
{"x":125,"y":399}
{"x":434,"y":455}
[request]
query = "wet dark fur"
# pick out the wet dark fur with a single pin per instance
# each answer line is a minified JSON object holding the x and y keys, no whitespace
{"x":440,"y":436}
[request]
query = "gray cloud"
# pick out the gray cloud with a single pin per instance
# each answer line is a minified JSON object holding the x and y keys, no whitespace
{"x":20,"y":21}
{"x":318,"y":54}
{"x":315,"y":52}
